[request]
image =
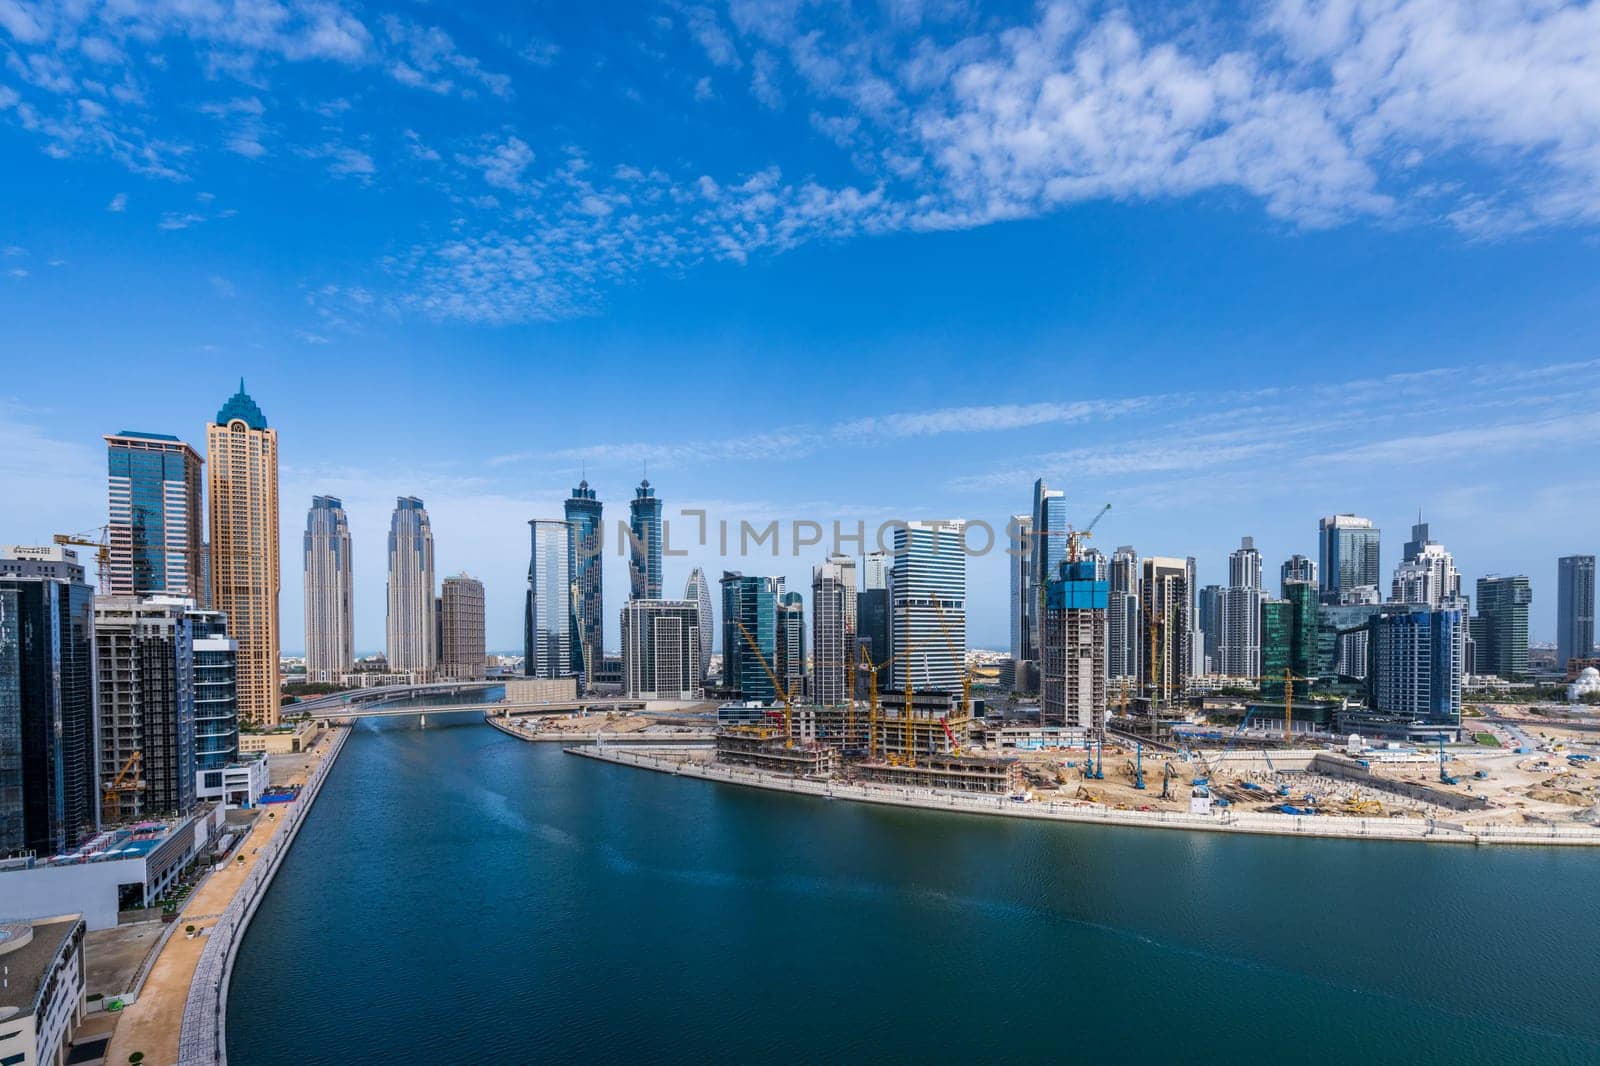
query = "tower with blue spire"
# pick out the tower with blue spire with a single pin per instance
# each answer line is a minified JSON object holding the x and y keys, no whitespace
{"x":241,"y":406}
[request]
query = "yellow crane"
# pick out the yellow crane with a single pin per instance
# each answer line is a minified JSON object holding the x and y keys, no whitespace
{"x":787,"y":694}
{"x":1075,"y":537}
{"x":98,"y":539}
{"x":111,"y":801}
{"x":1288,"y":677}
{"x":966,"y":674}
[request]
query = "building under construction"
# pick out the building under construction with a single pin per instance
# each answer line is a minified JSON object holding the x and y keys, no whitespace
{"x":937,"y":725}
{"x":951,"y":773}
{"x":766,"y":748}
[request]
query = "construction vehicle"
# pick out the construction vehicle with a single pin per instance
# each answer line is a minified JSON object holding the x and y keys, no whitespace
{"x":1167,"y":774}
{"x":1444,"y":776}
{"x":1137,"y":766}
{"x":786,"y":693}
{"x":1094,"y":763}
{"x":111,"y":801}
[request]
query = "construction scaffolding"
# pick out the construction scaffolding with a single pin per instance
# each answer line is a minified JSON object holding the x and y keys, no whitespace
{"x":937,"y":725}
{"x":951,"y":773}
{"x":766,"y":748}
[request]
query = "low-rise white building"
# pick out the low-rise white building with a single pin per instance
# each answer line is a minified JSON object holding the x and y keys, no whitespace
{"x":42,"y":995}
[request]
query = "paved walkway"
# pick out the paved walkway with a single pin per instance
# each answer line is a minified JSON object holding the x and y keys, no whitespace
{"x":152,"y":1024}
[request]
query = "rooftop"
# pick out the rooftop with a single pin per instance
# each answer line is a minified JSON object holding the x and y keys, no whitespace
{"x":241,"y":406}
{"x":29,"y":949}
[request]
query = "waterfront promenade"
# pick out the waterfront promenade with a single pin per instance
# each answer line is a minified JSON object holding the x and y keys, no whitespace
{"x":1431,"y":831}
{"x":177,"y":1017}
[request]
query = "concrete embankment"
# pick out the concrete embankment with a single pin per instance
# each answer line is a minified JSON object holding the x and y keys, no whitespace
{"x":1403,"y":829}
{"x":203,"y":1041}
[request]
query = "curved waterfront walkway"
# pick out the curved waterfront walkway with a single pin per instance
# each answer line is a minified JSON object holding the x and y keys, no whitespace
{"x":1432,"y":831}
{"x":202,"y":1039}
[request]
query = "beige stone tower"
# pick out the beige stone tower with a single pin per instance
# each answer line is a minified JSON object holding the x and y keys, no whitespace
{"x":242,"y":499}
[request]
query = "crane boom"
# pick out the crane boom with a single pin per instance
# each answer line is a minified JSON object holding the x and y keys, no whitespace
{"x":784,"y":693}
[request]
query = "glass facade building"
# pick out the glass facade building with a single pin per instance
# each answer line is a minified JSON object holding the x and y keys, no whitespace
{"x":698,"y":591}
{"x":928,"y":607}
{"x":1574,"y":609}
{"x":216,"y":696}
{"x":154,"y":535}
{"x":329,"y":591}
{"x":792,"y":643}
{"x":1500,"y":629}
{"x":644,"y":559}
{"x":548,"y":621}
{"x":1417,"y":661}
{"x":583,"y":513}
{"x":49,"y":789}
{"x":749,"y":606}
{"x":412,"y":620}
{"x":1348,"y":554}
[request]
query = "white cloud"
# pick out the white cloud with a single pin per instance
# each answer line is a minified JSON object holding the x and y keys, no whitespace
{"x":224,"y":288}
{"x":119,"y":203}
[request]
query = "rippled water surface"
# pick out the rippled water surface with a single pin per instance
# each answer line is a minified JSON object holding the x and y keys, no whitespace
{"x":461,"y":896}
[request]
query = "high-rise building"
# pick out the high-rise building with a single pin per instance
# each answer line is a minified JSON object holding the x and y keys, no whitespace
{"x":242,"y":496}
{"x":145,"y":674}
{"x":1574,"y":609}
{"x":49,"y":779}
{"x":216,"y":690}
{"x":750,"y":634}
{"x":330,"y":583}
{"x":1241,"y":613}
{"x":1428,"y":576}
{"x":547,"y":624}
{"x":1209,"y":633}
{"x":872,"y":629}
{"x":1289,"y":637}
{"x":697,"y":590}
{"x":582,"y":511}
{"x":412,"y":618}
{"x":1276,"y":630}
{"x":661,"y":657}
{"x":1124,"y":639}
{"x":833,"y":629}
{"x":1021,"y":566}
{"x":644,"y":558}
{"x":1072,"y":685}
{"x":792,"y":643}
{"x":875,"y":570}
{"x":1297,"y":568}
{"x":928,"y":607}
{"x":154,"y":534}
{"x":1500,"y":628}
{"x":1417,"y":660}
{"x":1419,"y":539}
{"x":1164,"y":621}
{"x":1048,"y":549}
{"x":1348,"y":554}
{"x":462,"y":654}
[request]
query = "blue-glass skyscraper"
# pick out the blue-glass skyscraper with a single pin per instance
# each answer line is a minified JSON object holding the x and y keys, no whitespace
{"x":588,"y":534}
{"x":749,"y":613}
{"x":154,"y":533}
{"x":216,"y":696}
{"x":547,"y":621}
{"x":1348,"y":555}
{"x":1048,"y":547}
{"x":644,"y":560}
{"x":1416,"y":660}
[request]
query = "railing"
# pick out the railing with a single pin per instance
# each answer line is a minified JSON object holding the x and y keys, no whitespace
{"x":202,"y":1039}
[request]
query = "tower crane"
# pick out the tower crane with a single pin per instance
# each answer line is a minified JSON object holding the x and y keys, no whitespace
{"x":1288,"y":677}
{"x":1075,"y":537}
{"x":110,"y":803}
{"x":787,"y":694}
{"x":99,"y":539}
{"x":966,"y":678}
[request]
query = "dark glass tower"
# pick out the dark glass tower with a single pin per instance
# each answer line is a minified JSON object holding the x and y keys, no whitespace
{"x":588,"y":533}
{"x":644,"y":562}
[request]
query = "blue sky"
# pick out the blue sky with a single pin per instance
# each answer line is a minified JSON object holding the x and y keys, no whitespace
{"x":816,"y":261}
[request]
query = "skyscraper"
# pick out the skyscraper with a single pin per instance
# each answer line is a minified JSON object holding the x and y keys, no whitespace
{"x":1049,"y":548}
{"x":1427,"y":576}
{"x":216,"y":690}
{"x":154,"y":533}
{"x":1021,"y":566}
{"x":242,"y":496}
{"x":661,"y":649}
{"x":1297,"y":568}
{"x":791,"y":640}
{"x":1241,"y":613}
{"x":1500,"y":629}
{"x":1418,"y":658}
{"x":1419,"y":538}
{"x":49,"y":787}
{"x":833,"y":627}
{"x":928,"y":607}
{"x":697,"y":590}
{"x":875,"y":570}
{"x":145,"y":674}
{"x":1289,"y":637}
{"x":1072,"y":685}
{"x":582,"y":511}
{"x":461,"y":644}
{"x":1123,"y":631}
{"x":1164,"y":621}
{"x":547,"y":625}
{"x":644,"y":558}
{"x":412,"y":620}
{"x":1348,"y":554}
{"x":1209,"y":632}
{"x":329,"y":583}
{"x":1574,"y":609}
{"x":749,"y":634}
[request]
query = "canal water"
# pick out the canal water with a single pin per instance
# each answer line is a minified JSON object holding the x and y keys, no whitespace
{"x":457,"y":895}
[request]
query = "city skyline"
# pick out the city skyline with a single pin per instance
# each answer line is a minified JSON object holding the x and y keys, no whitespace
{"x":382,"y":217}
